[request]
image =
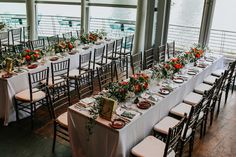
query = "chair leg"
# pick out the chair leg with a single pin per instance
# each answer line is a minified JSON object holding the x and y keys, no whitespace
{"x":49,"y":108}
{"x":205,"y":122}
{"x":32,"y":115}
{"x":191,"y":144}
{"x":54,"y":137}
{"x":227,"y":92}
{"x":17,"y":111}
{"x":233,"y":84}
{"x":201,"y":131}
{"x":181,"y":148}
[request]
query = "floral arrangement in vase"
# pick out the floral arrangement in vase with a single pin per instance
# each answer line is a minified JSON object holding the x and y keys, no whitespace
{"x":91,"y":37}
{"x":31,"y":55}
{"x":139,"y":82}
{"x":119,"y":90}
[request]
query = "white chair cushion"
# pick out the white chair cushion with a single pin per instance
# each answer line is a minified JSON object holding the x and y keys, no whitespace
{"x":57,"y":79}
{"x":166,"y":123}
{"x":210,"y":79}
{"x":75,"y":72}
{"x":218,"y":72}
{"x":201,"y":88}
{"x":193,"y":98}
{"x":181,"y":109}
{"x":62,"y":119}
{"x":25,"y":95}
{"x":151,"y":147}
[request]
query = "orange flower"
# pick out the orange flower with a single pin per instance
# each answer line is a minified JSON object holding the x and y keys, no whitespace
{"x":27,"y":50}
{"x":124,"y":83}
{"x":197,"y":55}
{"x":137,"y":88}
{"x":201,"y":51}
{"x":177,"y":66}
{"x":27,"y":57}
{"x":145,"y":85}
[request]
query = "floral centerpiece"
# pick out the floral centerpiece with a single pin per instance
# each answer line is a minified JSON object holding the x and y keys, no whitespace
{"x":91,"y":37}
{"x":119,"y":90}
{"x":2,"y":25}
{"x":31,"y":55}
{"x":138,"y":82}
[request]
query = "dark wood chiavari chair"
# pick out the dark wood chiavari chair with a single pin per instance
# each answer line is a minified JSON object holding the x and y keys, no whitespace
{"x":37,"y":44}
{"x":98,"y":57}
{"x":85,"y":62}
{"x":4,"y":37}
{"x":128,"y":45}
{"x":16,"y":36}
{"x":67,"y":36}
{"x":118,"y":48}
{"x":151,"y":146}
{"x":230,"y":79}
{"x":170,"y":48}
{"x":162,"y":53}
{"x":105,"y":75}
{"x":28,"y":100}
{"x":110,"y":55}
{"x":84,"y":84}
{"x":149,"y":59}
{"x":60,"y":71}
{"x":26,"y":34}
{"x":136,"y":62}
{"x":59,"y":100}
{"x":122,"y":68}
{"x":53,"y":40}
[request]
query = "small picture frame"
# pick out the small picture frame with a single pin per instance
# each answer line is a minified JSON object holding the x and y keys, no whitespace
{"x":108,"y":107}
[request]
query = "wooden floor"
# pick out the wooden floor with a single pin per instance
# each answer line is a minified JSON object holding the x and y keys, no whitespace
{"x":220,"y":139}
{"x":17,"y":140}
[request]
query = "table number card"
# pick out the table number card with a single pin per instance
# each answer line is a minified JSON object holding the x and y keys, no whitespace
{"x":108,"y":106}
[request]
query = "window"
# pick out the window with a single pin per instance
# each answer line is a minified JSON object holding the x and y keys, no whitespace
{"x":223,"y":33}
{"x":185,"y":22}
{"x":13,"y":14}
{"x":62,"y":18}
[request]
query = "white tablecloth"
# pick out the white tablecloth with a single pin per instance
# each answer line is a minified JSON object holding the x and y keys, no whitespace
{"x":108,"y":142}
{"x":9,"y":87}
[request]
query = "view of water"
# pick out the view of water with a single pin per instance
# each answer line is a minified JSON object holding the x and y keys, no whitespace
{"x":183,"y":12}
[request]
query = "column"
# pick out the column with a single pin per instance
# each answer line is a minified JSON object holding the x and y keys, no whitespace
{"x":87,"y":19}
{"x":140,"y":27}
{"x":31,"y":18}
{"x":149,"y":24}
{"x":207,"y":18}
{"x":83,"y":16}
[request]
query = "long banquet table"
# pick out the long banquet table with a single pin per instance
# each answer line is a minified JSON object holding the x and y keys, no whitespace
{"x":17,"y":83}
{"x":108,"y":142}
